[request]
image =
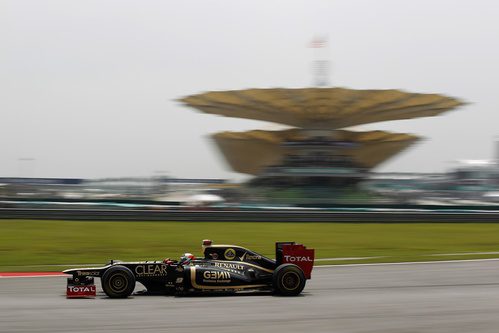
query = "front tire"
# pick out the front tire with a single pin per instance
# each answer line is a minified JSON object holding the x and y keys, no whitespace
{"x":118,"y":282}
{"x":288,"y":280}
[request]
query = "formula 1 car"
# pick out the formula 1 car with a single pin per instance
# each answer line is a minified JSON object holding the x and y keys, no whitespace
{"x":224,"y":268}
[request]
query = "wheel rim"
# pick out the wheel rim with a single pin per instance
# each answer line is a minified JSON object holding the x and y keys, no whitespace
{"x":290,"y":280}
{"x":118,"y":283}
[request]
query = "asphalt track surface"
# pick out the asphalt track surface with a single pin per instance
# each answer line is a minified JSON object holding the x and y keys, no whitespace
{"x":413,"y":298}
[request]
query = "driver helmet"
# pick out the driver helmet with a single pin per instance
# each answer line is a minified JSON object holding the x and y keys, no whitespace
{"x":186,"y":258}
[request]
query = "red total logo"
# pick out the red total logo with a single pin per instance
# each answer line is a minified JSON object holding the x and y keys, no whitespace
{"x":81,"y":289}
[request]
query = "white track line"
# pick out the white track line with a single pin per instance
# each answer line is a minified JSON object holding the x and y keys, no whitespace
{"x":461,"y":254}
{"x":408,"y":263}
{"x":348,"y":258}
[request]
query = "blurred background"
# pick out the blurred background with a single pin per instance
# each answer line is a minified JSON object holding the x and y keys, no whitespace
{"x":98,"y":101}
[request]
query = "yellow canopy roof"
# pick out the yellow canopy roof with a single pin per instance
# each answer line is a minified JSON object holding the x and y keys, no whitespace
{"x":250,"y":152}
{"x":321,"y":108}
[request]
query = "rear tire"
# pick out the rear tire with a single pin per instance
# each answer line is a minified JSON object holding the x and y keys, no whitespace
{"x":118,"y":282}
{"x":288,"y":280}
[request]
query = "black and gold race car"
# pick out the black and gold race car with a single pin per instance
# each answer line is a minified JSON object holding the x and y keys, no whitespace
{"x":224,"y":268}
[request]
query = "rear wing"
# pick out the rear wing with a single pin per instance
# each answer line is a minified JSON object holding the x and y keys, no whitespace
{"x":292,"y":253}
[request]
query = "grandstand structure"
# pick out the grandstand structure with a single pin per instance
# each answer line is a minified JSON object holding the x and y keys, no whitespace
{"x":319,"y":146}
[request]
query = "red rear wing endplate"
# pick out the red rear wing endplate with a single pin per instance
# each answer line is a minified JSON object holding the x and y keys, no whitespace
{"x":299,"y":255}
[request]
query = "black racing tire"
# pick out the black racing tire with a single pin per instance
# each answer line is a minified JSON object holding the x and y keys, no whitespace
{"x":288,"y":280}
{"x":118,"y":282}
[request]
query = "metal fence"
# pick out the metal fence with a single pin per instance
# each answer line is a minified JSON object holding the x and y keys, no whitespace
{"x":249,"y":215}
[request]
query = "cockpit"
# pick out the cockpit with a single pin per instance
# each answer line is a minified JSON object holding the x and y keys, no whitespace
{"x":235,"y":253}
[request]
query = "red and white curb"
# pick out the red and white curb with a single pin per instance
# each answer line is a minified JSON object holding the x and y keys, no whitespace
{"x":7,"y":275}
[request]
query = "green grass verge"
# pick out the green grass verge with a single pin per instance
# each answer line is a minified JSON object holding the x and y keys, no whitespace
{"x":41,"y":244}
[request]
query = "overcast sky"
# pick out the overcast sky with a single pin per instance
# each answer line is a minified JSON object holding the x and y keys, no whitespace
{"x":88,"y":88}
